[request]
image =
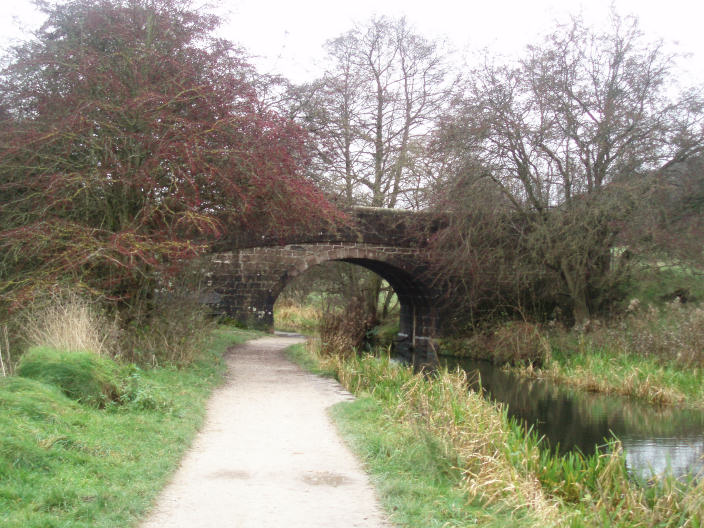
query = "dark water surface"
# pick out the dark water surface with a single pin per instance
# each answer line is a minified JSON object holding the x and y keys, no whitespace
{"x":653,"y":438}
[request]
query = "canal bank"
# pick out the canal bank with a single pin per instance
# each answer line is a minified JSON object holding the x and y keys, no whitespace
{"x":442,"y":454}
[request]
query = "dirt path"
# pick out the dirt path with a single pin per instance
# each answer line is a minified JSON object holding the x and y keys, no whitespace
{"x":268,"y":455}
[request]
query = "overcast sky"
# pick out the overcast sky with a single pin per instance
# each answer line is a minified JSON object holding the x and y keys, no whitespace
{"x":287,"y":36}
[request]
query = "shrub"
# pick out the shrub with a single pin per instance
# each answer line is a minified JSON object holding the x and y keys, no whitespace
{"x":82,"y":376}
{"x":341,"y":333}
{"x":174,"y":331}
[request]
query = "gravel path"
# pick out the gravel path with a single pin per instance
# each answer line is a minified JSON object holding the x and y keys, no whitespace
{"x":268,"y":455}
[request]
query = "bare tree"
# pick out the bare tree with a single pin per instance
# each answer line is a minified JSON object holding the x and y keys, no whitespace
{"x":373,"y":110}
{"x":565,"y":133}
{"x":370,"y":117}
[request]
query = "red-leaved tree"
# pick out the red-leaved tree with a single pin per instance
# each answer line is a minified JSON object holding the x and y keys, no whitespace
{"x":130,"y":138}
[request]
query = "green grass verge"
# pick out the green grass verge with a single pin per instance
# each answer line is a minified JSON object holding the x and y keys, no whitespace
{"x":599,"y":369}
{"x":441,"y":455}
{"x":416,"y":481}
{"x":301,"y":355}
{"x":63,"y":464}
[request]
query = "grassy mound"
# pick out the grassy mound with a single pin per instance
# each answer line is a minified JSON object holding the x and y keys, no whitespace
{"x":82,"y":376}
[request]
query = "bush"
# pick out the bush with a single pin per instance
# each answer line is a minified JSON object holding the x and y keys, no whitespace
{"x":82,"y":376}
{"x":341,"y":333}
{"x":174,"y":331}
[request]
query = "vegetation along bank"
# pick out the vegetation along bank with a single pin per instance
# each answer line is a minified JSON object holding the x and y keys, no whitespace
{"x":442,"y":455}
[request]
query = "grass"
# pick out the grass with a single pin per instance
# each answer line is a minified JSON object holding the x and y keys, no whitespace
{"x":293,"y":317}
{"x":600,"y":369}
{"x":653,"y":354}
{"x":68,"y":465}
{"x":419,"y":486}
{"x":441,"y":455}
{"x":80,"y":375}
{"x":45,"y":324}
{"x":657,"y":284}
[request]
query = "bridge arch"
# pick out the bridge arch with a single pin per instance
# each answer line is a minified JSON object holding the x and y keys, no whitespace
{"x":248,"y":281}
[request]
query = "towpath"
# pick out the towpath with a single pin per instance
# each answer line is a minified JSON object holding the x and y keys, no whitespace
{"x":268,"y":455}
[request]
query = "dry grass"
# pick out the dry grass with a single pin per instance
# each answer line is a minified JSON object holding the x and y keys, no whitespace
{"x":636,"y":383}
{"x":476,"y":431}
{"x":515,"y":342}
{"x":69,"y":322}
{"x":292,"y":316}
{"x":174,"y":331}
{"x":654,"y":355}
{"x":675,"y":333}
{"x":471,"y":430}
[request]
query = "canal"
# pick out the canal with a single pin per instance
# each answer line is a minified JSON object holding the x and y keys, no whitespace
{"x":654,"y":439}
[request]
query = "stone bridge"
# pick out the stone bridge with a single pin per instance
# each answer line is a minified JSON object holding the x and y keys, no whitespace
{"x":246,"y":278}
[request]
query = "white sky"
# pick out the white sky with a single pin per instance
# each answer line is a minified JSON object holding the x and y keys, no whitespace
{"x":287,"y":36}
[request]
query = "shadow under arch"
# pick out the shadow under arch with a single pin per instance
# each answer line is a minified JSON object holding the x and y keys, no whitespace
{"x":417,"y":318}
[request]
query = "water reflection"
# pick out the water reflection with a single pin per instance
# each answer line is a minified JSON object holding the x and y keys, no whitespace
{"x":653,"y":438}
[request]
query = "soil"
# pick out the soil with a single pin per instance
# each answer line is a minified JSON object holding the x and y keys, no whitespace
{"x":268,"y":454}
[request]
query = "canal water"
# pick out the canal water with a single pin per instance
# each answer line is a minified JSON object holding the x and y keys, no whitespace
{"x":655,"y":439}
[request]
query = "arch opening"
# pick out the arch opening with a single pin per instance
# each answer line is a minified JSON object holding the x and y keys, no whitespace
{"x":405,"y":299}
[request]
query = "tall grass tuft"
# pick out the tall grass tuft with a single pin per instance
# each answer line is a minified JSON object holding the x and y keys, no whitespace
{"x":70,"y":322}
